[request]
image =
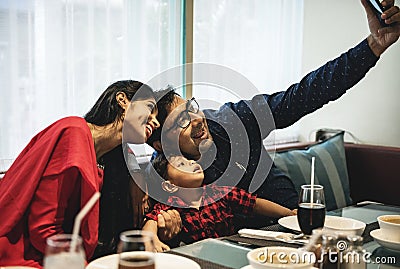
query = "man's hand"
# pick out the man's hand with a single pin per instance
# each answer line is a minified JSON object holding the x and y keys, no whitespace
{"x":169,"y":224}
{"x":382,"y":37}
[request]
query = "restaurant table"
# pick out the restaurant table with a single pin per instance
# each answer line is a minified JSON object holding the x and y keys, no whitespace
{"x":231,"y":251}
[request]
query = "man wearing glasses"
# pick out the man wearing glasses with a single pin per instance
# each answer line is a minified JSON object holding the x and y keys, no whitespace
{"x":227,"y":143}
{"x":187,"y":130}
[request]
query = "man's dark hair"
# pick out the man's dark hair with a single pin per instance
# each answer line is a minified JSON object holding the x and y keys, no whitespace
{"x":165,"y":98}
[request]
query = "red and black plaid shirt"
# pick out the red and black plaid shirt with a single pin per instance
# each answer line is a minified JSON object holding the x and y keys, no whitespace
{"x":214,"y":218}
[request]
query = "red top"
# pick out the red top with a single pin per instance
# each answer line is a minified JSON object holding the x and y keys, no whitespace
{"x":40,"y":195}
{"x":214,"y":218}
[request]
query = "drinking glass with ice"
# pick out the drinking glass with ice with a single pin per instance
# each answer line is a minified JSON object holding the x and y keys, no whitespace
{"x":59,"y":254}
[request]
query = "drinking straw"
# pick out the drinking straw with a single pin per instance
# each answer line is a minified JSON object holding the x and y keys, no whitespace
{"x":312,"y":180}
{"x":80,"y":216}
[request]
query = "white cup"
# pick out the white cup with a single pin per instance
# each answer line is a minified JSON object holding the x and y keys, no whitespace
{"x":390,"y":226}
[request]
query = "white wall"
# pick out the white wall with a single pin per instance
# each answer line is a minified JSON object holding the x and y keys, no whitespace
{"x":370,"y":110}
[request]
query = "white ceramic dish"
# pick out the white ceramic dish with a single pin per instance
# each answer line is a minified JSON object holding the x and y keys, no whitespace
{"x":332,"y":223}
{"x":344,"y":225}
{"x":283,"y":257}
{"x":163,"y":261}
{"x":290,"y":222}
{"x":385,"y":240}
{"x":390,"y":227}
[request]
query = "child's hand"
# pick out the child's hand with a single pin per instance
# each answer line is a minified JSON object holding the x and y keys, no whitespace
{"x":291,"y":212}
{"x":160,"y":246}
{"x":169,"y":224}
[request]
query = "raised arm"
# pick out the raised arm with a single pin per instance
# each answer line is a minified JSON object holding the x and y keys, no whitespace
{"x":330,"y":81}
{"x":317,"y":88}
{"x":322,"y":85}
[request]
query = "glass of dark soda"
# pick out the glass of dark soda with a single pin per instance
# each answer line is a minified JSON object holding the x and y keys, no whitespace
{"x":136,"y":250}
{"x":311,"y":211}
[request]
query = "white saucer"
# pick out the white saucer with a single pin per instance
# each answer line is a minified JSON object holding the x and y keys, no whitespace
{"x":291,"y":223}
{"x":163,"y":260}
{"x":384,"y":240}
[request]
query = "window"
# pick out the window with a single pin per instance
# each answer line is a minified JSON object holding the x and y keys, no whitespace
{"x":57,"y":56}
{"x":260,"y":39}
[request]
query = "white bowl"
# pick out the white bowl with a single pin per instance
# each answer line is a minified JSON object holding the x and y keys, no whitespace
{"x":344,"y":225}
{"x":390,"y":225}
{"x":280,"y":257}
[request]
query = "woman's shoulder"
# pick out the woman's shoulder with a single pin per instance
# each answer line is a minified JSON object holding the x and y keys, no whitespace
{"x":71,"y":121}
{"x":67,"y":123}
{"x":68,"y":127}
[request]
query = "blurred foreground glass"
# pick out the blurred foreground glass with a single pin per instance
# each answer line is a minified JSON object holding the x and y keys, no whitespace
{"x":59,"y":256}
{"x":136,"y":250}
{"x":311,"y":211}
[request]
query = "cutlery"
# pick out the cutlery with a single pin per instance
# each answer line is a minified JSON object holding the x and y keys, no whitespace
{"x":275,"y":236}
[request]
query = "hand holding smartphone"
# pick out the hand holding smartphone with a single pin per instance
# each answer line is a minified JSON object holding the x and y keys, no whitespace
{"x":379,"y":9}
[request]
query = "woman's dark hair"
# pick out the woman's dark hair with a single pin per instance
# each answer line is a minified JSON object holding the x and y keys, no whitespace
{"x":116,"y":213}
{"x":106,"y":110}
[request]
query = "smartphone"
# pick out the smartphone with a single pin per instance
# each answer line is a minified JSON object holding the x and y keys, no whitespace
{"x":378,"y":8}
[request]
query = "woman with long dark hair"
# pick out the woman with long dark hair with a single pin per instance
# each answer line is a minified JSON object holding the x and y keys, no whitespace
{"x":62,"y":167}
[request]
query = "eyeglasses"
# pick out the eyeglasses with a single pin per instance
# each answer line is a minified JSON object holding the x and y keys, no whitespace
{"x":183,"y":120}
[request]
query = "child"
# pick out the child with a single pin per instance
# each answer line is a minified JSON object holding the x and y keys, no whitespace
{"x":206,"y":211}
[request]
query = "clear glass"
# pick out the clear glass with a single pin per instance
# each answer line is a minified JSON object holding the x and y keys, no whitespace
{"x":311,"y":212}
{"x":136,"y":250}
{"x":59,"y":256}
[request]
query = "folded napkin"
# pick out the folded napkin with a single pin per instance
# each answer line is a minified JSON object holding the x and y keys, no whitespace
{"x":270,"y":235}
